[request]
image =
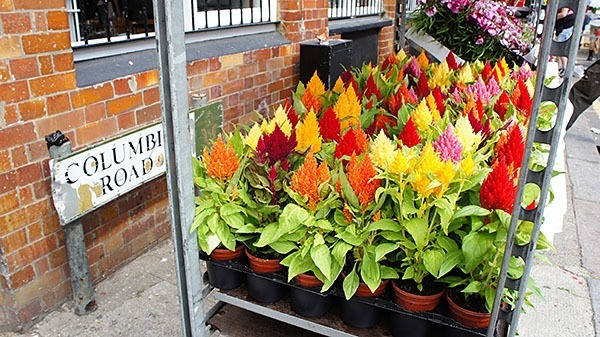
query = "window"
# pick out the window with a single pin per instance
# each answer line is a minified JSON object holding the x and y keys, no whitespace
{"x":96,"y":22}
{"x":340,"y":9}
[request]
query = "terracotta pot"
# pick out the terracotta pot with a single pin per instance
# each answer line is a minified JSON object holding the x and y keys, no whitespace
{"x":415,"y":302}
{"x":364,"y":291}
{"x":308,"y":281}
{"x":222,"y":254}
{"x":467,"y":317}
{"x":263,"y":266}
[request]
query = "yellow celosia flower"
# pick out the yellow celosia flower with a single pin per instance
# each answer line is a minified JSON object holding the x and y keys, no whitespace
{"x":401,"y":55}
{"x":467,"y":165}
{"x":422,"y":61}
{"x":347,"y":108}
{"x":429,"y":161}
{"x":445,"y":172}
{"x":383,"y":150}
{"x":253,"y":136}
{"x":267,"y":127}
{"x":465,"y":135}
{"x":440,"y":76}
{"x":421,"y":184}
{"x":280,"y":118}
{"x":315,"y":85}
{"x":435,"y":113}
{"x":421,"y":116}
{"x":308,"y":133}
{"x":338,"y":86}
{"x":465,"y":74}
{"x":400,"y":164}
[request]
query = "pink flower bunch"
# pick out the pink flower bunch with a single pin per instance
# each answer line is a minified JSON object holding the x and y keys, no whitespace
{"x":498,"y":20}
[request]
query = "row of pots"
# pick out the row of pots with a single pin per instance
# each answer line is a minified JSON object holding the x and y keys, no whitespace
{"x":311,"y":303}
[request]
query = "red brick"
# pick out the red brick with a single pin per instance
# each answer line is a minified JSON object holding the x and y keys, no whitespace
{"x":41,"y":266}
{"x":63,"y":62}
{"x":123,"y":86}
{"x":14,"y":92}
{"x":16,"y":135}
{"x":146,"y":79}
{"x":126,"y":120}
{"x":6,"y":6}
{"x":50,"y":225}
{"x":57,"y":20}
{"x":30,"y":311}
{"x":95,"y":112}
{"x":37,"y":150}
{"x":24,"y":68}
{"x":33,"y":251}
{"x":50,"y":84}
{"x":39,"y":21}
{"x":151,"y":96}
{"x":22,"y":276}
{"x":9,"y":202}
{"x":19,"y":156}
{"x":38,"y":4}
{"x":198,"y":67}
{"x":124,"y":104}
{"x":15,"y":23}
{"x":5,"y":163}
{"x":25,"y":195}
{"x":233,"y":86}
{"x":96,"y":131}
{"x":215,"y":64}
{"x":58,"y":103}
{"x":215,"y":92}
{"x":214,"y":78}
{"x":13,"y":220}
{"x":32,"y":109}
{"x":46,"y":42}
{"x":233,"y":74}
{"x":4,"y":72}
{"x":29,"y":174}
{"x":148,"y":114}
{"x":34,"y":231}
{"x":37,"y":288}
{"x":8,"y":181}
{"x":42,"y":189}
{"x":57,"y":258}
{"x":65,"y":121}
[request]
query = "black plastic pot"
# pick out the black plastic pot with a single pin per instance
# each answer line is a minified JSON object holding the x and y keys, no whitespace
{"x":224,"y":278}
{"x":309,"y":304}
{"x":408,"y":326}
{"x":264,"y":290}
{"x":358,"y":314}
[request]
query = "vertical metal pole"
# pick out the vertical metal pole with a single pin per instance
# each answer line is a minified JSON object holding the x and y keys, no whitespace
{"x":168,"y":18}
{"x":83,"y":291}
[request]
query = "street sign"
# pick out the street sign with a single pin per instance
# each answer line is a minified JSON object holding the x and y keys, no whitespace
{"x":88,"y":179}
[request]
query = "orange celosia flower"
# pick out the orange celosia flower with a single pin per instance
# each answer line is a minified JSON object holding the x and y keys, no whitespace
{"x":362,"y":179}
{"x":422,"y":61}
{"x":312,"y":95}
{"x":308,"y":178}
{"x":221,"y":162}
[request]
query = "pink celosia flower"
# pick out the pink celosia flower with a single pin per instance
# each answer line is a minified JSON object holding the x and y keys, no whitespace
{"x":448,"y":146}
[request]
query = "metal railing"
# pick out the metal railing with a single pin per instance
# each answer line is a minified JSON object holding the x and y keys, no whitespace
{"x":106,"y":21}
{"x":341,"y":9}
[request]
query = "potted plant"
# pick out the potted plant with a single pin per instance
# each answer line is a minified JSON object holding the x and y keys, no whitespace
{"x":219,"y":210}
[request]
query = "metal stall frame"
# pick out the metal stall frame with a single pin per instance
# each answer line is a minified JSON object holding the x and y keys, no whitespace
{"x":176,"y":126}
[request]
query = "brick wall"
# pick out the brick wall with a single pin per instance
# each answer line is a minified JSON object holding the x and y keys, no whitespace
{"x":38,"y":95}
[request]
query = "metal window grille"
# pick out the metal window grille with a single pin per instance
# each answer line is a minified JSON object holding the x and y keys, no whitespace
{"x":95,"y":22}
{"x":341,"y":9}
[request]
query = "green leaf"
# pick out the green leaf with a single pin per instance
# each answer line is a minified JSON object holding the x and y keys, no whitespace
{"x":235,"y":221}
{"x":369,"y":270}
{"x":383,"y":249}
{"x":475,"y":247}
{"x":268,"y":235}
{"x":347,"y":190}
{"x":322,"y":259}
{"x":388,"y":273}
{"x":432,"y":259}
{"x":339,"y":251}
{"x":230,"y":209}
{"x":391,"y":236}
{"x":386,"y":225}
{"x":283,"y":247}
{"x":237,"y":142}
{"x":473,"y":288}
{"x":447,"y":243}
{"x":350,"y":284}
{"x":350,"y":238}
{"x":490,"y":295}
{"x":418,"y":229}
{"x":409,"y":273}
{"x":470,"y":210}
{"x":451,"y":260}
{"x":197,"y":167}
{"x":299,"y":265}
{"x":247,"y":229}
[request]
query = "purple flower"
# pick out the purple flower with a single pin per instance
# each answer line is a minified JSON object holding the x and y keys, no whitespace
{"x":479,"y":40}
{"x":430,"y":11}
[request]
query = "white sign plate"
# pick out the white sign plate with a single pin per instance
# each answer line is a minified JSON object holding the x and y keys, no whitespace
{"x":86,"y":180}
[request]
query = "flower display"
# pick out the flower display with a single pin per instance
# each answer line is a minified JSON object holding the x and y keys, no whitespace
{"x":491,"y":24}
{"x":398,"y":172}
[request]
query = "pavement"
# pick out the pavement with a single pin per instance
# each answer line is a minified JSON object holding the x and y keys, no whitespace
{"x":141,"y":299}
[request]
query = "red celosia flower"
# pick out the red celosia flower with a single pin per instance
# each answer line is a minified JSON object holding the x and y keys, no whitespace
{"x":423,"y":86}
{"x":275,"y":146}
{"x":381,"y":122}
{"x":291,"y":112}
{"x":522,"y":99}
{"x":510,"y":147}
{"x":498,"y":190}
{"x":389,"y":61}
{"x":412,"y":68}
{"x":439,"y":99}
{"x":451,"y":61}
{"x":330,"y":126}
{"x":501,"y":106}
{"x":354,"y":141}
{"x":479,"y":126}
{"x":409,"y":135}
{"x":371,"y":89}
{"x":361,"y":177}
{"x":349,"y":80}
{"x":486,"y":73}
{"x":394,"y":103}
